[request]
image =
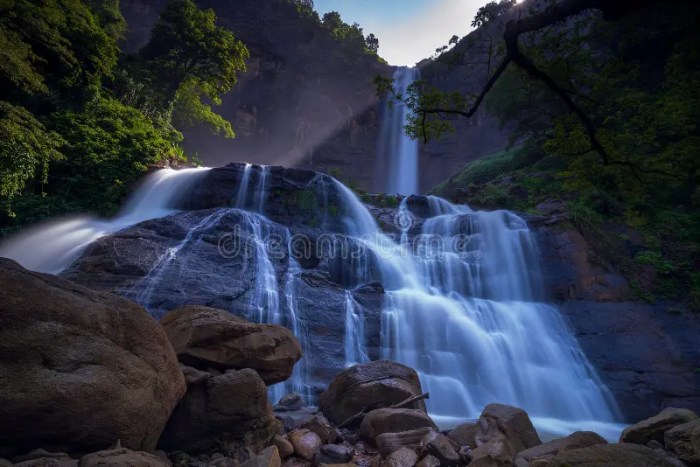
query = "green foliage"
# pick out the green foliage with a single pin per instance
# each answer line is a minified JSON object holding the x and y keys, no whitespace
{"x":655,"y":259}
{"x":490,"y":11}
{"x":350,"y":33}
{"x":55,"y":45}
{"x":636,"y":81}
{"x":485,"y":169}
{"x":80,"y":122}
{"x":26,"y":150}
{"x":306,"y":8}
{"x":583,"y":216}
{"x":108,"y":147}
{"x":109,"y":16}
{"x":194,"y":62}
{"x":372,"y":43}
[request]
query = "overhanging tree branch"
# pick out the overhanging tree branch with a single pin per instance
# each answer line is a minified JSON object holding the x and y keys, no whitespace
{"x":556,"y":13}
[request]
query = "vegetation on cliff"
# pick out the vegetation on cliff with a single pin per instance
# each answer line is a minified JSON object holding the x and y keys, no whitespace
{"x":80,"y":121}
{"x":635,"y":82}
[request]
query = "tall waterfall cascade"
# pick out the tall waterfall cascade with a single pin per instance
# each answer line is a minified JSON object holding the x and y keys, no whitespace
{"x":397,"y":154}
{"x":463,"y":302}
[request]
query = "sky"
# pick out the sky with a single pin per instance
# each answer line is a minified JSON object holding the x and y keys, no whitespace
{"x":408,"y":30}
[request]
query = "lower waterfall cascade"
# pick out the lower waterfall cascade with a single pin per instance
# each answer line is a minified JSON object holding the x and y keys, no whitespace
{"x":463,"y":305}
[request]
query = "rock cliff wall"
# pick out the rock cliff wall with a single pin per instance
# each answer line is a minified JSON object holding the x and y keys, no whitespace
{"x":307,"y":99}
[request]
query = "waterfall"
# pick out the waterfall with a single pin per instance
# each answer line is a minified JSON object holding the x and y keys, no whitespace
{"x":52,"y":246}
{"x":463,"y":302}
{"x":355,"y":349}
{"x":464,"y":308}
{"x":397,"y":154}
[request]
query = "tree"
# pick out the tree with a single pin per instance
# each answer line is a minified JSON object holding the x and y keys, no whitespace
{"x":372,"y":43}
{"x":195,"y":61}
{"x":453,"y":104}
{"x":491,"y":11}
{"x":52,"y":45}
{"x":108,"y":146}
{"x":333,"y":21}
{"x":110,"y":17}
{"x":26,"y":149}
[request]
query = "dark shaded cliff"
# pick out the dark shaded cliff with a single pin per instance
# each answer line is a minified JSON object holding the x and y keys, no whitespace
{"x":307,"y":99}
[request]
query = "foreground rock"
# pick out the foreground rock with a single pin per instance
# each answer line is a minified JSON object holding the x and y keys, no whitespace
{"x":223,"y":413}
{"x":381,"y":421}
{"x":577,"y":440}
{"x":122,"y":457}
{"x":654,"y":428}
{"x":440,"y":447}
{"x":268,"y":457}
{"x":403,"y":457}
{"x":42,"y":458}
{"x":209,"y":338}
{"x":508,"y":427}
{"x":79,"y":369}
{"x":388,"y":443}
{"x":464,"y":435}
{"x":613,"y":455}
{"x":306,"y":443}
{"x":684,"y":441}
{"x":369,"y":386}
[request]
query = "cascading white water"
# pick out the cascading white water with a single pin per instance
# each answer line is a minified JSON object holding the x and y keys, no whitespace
{"x":354,"y":347}
{"x":397,"y":154}
{"x":52,"y":246}
{"x":463,"y":302}
{"x":170,"y":259}
{"x":461,"y":308}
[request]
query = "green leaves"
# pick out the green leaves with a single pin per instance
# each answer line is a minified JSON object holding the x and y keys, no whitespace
{"x":26,"y":150}
{"x":194,"y":63}
{"x":52,"y":44}
{"x":108,"y":146}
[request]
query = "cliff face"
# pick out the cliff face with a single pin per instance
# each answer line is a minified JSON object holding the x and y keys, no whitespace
{"x":646,"y":353}
{"x":466,"y":68}
{"x":307,"y":99}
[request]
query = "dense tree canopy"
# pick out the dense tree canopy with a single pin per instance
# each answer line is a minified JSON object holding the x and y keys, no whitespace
{"x":194,"y":63}
{"x":80,"y":121}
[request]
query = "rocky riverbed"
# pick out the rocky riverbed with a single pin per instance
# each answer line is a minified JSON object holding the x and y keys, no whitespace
{"x":89,"y":378}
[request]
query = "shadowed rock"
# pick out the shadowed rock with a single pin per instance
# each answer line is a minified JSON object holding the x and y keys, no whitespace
{"x":80,"y":369}
{"x":209,"y":338}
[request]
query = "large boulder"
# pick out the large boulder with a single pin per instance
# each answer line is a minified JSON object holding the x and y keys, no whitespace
{"x":464,"y":435}
{"x":439,"y":446}
{"x":225,"y":412}
{"x":122,"y":457}
{"x":508,"y":425}
{"x":42,"y":458}
{"x":495,"y":453}
{"x":80,"y":369}
{"x":403,"y":457}
{"x":209,"y":338}
{"x":577,"y":440}
{"x":369,"y":386}
{"x":654,"y":428}
{"x":610,"y":455}
{"x":381,"y":421}
{"x":684,"y":441}
{"x":306,"y":443}
{"x":391,"y":442}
